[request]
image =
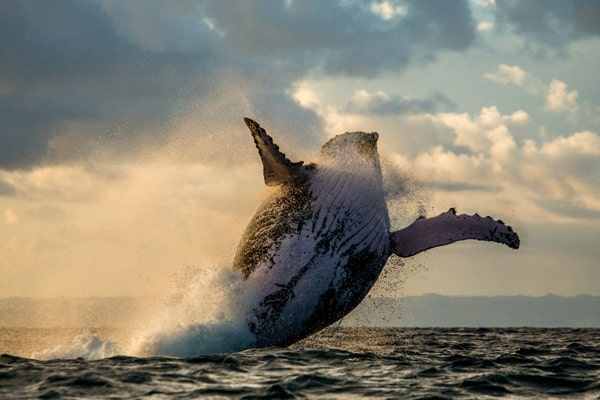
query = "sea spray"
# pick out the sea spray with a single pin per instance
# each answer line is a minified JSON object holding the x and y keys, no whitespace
{"x":86,"y":346}
{"x":407,"y":198}
{"x":206,"y":314}
{"x":206,"y":311}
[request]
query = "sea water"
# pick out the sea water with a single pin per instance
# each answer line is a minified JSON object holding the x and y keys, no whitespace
{"x":340,"y":362}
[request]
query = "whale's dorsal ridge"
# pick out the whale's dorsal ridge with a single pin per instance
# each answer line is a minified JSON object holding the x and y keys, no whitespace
{"x":277,"y":168}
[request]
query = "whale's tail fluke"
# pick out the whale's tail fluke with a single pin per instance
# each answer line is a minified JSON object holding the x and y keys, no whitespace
{"x":446,"y":228}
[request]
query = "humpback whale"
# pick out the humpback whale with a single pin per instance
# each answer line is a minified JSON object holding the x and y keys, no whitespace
{"x":318,"y":243}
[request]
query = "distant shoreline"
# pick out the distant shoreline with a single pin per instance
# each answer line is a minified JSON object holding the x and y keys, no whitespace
{"x":429,"y":310}
{"x":433,"y":310}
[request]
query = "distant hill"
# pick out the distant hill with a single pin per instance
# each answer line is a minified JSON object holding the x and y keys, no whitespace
{"x":413,"y":311}
{"x":474,"y":311}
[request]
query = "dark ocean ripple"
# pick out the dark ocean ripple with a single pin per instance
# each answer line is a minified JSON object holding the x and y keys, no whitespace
{"x":339,"y":363}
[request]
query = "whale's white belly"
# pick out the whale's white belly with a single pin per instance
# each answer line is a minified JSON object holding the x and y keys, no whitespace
{"x":326,"y":263}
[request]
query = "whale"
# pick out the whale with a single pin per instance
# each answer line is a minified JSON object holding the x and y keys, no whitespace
{"x":319,"y":241}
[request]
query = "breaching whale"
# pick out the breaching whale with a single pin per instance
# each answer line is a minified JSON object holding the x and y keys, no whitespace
{"x":318,"y":243}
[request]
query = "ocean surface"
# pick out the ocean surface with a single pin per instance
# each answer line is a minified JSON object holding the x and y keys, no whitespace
{"x":340,"y":362}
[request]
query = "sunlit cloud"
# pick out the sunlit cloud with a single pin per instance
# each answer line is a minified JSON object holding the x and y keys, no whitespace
{"x":563,"y":169}
{"x":487,"y":132}
{"x":556,"y":95}
{"x":585,"y":143}
{"x":485,"y":26}
{"x":481,"y":153}
{"x":123,"y":153}
{"x":512,"y":74}
{"x":558,"y":98}
{"x":380,"y":103}
{"x":10,"y":216}
{"x":388,"y":10}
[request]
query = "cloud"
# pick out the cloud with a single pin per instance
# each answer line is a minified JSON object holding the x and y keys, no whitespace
{"x":181,"y":28}
{"x":388,"y":10}
{"x":64,"y":65}
{"x":10,"y":216}
{"x":559,"y":171}
{"x":564,"y":171}
{"x":50,"y":213}
{"x":483,"y":158}
{"x":485,"y":26}
{"x":556,"y":95}
{"x":559,"y":99}
{"x":64,"y":183}
{"x":488,"y":132}
{"x":585,"y":143}
{"x":376,"y":37}
{"x":552,"y":24}
{"x":460,"y":154}
{"x":381,"y":103}
{"x":572,"y":209}
{"x":515,"y":75}
{"x":81,"y":78}
{"x":401,"y":120}
{"x":6,"y":188}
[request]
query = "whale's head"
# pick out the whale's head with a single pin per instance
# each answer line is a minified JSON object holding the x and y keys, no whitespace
{"x":351,"y":150}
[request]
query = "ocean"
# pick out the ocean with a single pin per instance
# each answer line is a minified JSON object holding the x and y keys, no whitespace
{"x":337,"y":363}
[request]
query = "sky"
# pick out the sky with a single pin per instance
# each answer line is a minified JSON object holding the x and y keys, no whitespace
{"x":124,"y":158}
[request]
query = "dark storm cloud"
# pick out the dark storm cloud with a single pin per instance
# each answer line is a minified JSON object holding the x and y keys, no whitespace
{"x":121,"y":70}
{"x":381,"y":104}
{"x":53,"y":42}
{"x":344,"y":37}
{"x":550,"y":22}
{"x":62,"y":62}
{"x":300,"y":127}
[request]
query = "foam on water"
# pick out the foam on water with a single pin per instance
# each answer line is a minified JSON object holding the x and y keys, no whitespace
{"x":205,"y":314}
{"x":86,"y":346}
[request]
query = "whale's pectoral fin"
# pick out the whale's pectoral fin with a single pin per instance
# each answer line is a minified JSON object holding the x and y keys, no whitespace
{"x":446,"y":228}
{"x":277,"y":168}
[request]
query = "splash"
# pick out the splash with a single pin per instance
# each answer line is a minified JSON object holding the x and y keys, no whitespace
{"x":207,"y":311}
{"x":85,"y":346}
{"x":204,"y":314}
{"x":407,"y":198}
